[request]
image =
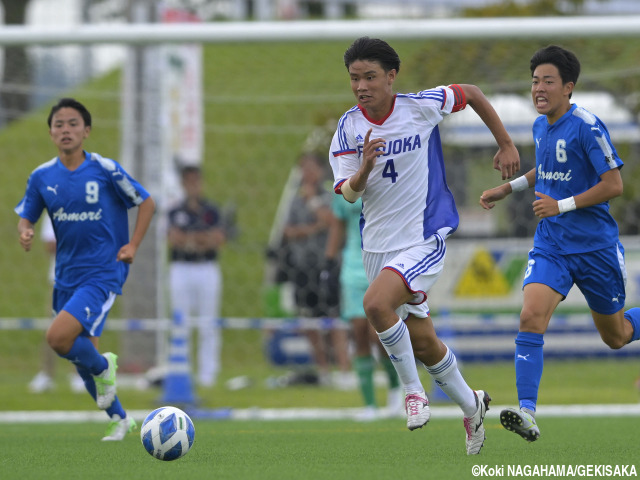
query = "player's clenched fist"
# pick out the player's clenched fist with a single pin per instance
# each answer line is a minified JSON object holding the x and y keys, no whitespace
{"x":26,"y":238}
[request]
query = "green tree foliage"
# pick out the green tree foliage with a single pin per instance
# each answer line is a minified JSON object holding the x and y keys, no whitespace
{"x":503,"y":65}
{"x":513,"y":8}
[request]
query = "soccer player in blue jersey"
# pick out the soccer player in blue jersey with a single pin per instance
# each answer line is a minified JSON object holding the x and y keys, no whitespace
{"x":387,"y":150}
{"x":86,"y":197}
{"x":576,"y":242}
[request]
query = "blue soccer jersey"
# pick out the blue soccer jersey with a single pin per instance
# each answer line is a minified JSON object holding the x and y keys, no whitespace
{"x":571,"y":155}
{"x":88,"y":208}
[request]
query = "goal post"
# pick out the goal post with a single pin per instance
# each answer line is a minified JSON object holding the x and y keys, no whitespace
{"x":268,"y":86}
{"x":313,"y":30}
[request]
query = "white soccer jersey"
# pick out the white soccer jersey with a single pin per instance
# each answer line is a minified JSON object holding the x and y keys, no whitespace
{"x":406,"y":199}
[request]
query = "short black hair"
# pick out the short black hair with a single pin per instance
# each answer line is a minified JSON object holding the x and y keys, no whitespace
{"x":70,"y":103}
{"x":190,"y":169}
{"x":374,"y":50}
{"x":564,"y":60}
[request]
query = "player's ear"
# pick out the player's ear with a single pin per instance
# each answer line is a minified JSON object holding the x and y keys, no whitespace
{"x":87,"y":131}
{"x":391,"y":76}
{"x":568,"y":88}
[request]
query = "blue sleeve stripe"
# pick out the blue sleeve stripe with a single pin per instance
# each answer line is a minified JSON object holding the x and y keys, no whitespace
{"x":342,"y":135}
{"x":338,"y":186}
{"x":433,"y":94}
{"x":339,"y":153}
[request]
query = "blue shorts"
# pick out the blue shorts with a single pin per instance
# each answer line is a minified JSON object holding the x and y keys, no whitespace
{"x":89,"y":304}
{"x":600,"y":275}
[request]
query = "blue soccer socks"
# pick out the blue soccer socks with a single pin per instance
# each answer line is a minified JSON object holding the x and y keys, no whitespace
{"x":87,"y":377}
{"x":528,"y":363}
{"x":84,"y":353}
{"x":633,"y":315}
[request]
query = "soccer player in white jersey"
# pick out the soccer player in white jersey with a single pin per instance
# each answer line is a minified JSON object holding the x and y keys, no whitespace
{"x":387,"y":150}
{"x":577,"y":172}
{"x":87,"y":198}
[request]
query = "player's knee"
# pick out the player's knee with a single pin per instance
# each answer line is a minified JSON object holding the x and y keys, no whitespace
{"x":421,"y":350}
{"x":614,"y":342}
{"x":530,"y":321}
{"x":428,"y":346}
{"x":58,"y":343}
{"x":373,"y":308}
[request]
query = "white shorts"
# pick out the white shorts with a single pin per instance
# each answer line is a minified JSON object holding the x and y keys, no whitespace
{"x":419,"y":267}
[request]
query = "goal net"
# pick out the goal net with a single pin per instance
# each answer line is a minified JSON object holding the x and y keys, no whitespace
{"x":266,"y":93}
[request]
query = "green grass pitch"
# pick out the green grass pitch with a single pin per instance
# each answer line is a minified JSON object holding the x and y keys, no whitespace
{"x":314,"y":450}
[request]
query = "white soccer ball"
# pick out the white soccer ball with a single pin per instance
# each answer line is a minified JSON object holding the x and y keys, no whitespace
{"x":167,"y":433}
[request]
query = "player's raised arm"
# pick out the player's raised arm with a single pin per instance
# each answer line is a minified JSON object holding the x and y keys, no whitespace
{"x":507,"y":160}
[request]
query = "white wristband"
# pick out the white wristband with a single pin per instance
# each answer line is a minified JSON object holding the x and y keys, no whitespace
{"x":566,"y":204}
{"x":519,"y":184}
{"x":349,"y":194}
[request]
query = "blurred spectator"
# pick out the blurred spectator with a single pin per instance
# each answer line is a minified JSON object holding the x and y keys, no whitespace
{"x":305,"y":234}
{"x":196,"y":233}
{"x":344,"y":246}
